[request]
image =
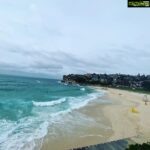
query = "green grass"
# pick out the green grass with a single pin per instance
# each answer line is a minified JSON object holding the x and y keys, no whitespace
{"x":144,"y":146}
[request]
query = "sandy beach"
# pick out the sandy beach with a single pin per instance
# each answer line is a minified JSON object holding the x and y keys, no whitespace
{"x":100,"y":122}
{"x":126,"y":123}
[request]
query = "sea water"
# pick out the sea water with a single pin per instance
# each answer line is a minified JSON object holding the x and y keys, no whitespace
{"x":29,"y":105}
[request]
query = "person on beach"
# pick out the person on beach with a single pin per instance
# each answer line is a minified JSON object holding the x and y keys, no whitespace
{"x":145,"y":99}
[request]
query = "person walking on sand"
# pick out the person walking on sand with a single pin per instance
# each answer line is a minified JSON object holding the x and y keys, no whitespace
{"x":145,"y":99}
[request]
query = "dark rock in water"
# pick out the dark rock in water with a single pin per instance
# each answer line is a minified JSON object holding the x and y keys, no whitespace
{"x":111,"y":80}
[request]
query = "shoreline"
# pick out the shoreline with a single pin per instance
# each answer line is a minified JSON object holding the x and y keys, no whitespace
{"x":115,"y":116}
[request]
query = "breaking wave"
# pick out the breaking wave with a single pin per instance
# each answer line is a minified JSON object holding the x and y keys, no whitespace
{"x":49,"y":103}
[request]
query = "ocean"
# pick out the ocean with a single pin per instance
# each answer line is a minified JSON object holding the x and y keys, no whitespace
{"x":29,"y":105}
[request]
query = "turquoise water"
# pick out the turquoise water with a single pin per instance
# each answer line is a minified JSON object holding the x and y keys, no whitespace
{"x":29,"y":105}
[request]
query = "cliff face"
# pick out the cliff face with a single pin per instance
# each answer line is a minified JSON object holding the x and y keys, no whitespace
{"x":111,"y":80}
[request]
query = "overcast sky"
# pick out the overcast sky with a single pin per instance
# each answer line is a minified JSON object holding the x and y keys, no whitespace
{"x":56,"y":37}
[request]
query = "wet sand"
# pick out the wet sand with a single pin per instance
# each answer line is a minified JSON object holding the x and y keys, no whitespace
{"x":101,"y":121}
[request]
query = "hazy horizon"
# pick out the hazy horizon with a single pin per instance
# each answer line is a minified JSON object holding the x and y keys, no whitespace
{"x":45,"y":38}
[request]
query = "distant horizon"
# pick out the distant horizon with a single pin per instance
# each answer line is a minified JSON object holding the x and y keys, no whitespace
{"x":28,"y":76}
{"x":46,"y":77}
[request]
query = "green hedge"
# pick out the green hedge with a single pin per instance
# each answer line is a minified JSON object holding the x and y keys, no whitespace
{"x":144,"y":146}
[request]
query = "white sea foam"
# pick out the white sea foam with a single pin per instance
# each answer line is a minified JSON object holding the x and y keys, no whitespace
{"x":65,"y":84}
{"x":38,"y":81}
{"x":76,"y":103}
{"x":49,"y":103}
{"x":59,"y":82}
{"x":23,"y":135}
{"x":82,"y":89}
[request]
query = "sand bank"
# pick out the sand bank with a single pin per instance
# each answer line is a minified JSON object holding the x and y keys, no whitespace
{"x":126,"y":123}
{"x":102,"y":122}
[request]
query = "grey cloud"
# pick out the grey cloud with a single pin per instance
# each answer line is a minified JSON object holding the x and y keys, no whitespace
{"x":60,"y":62}
{"x":123,"y":59}
{"x":39,"y":61}
{"x":53,"y":38}
{"x":40,"y":65}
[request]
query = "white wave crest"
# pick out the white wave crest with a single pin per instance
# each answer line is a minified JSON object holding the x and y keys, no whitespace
{"x":29,"y":132}
{"x":76,"y":103}
{"x":82,"y":89}
{"x":27,"y":138}
{"x":49,"y":103}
